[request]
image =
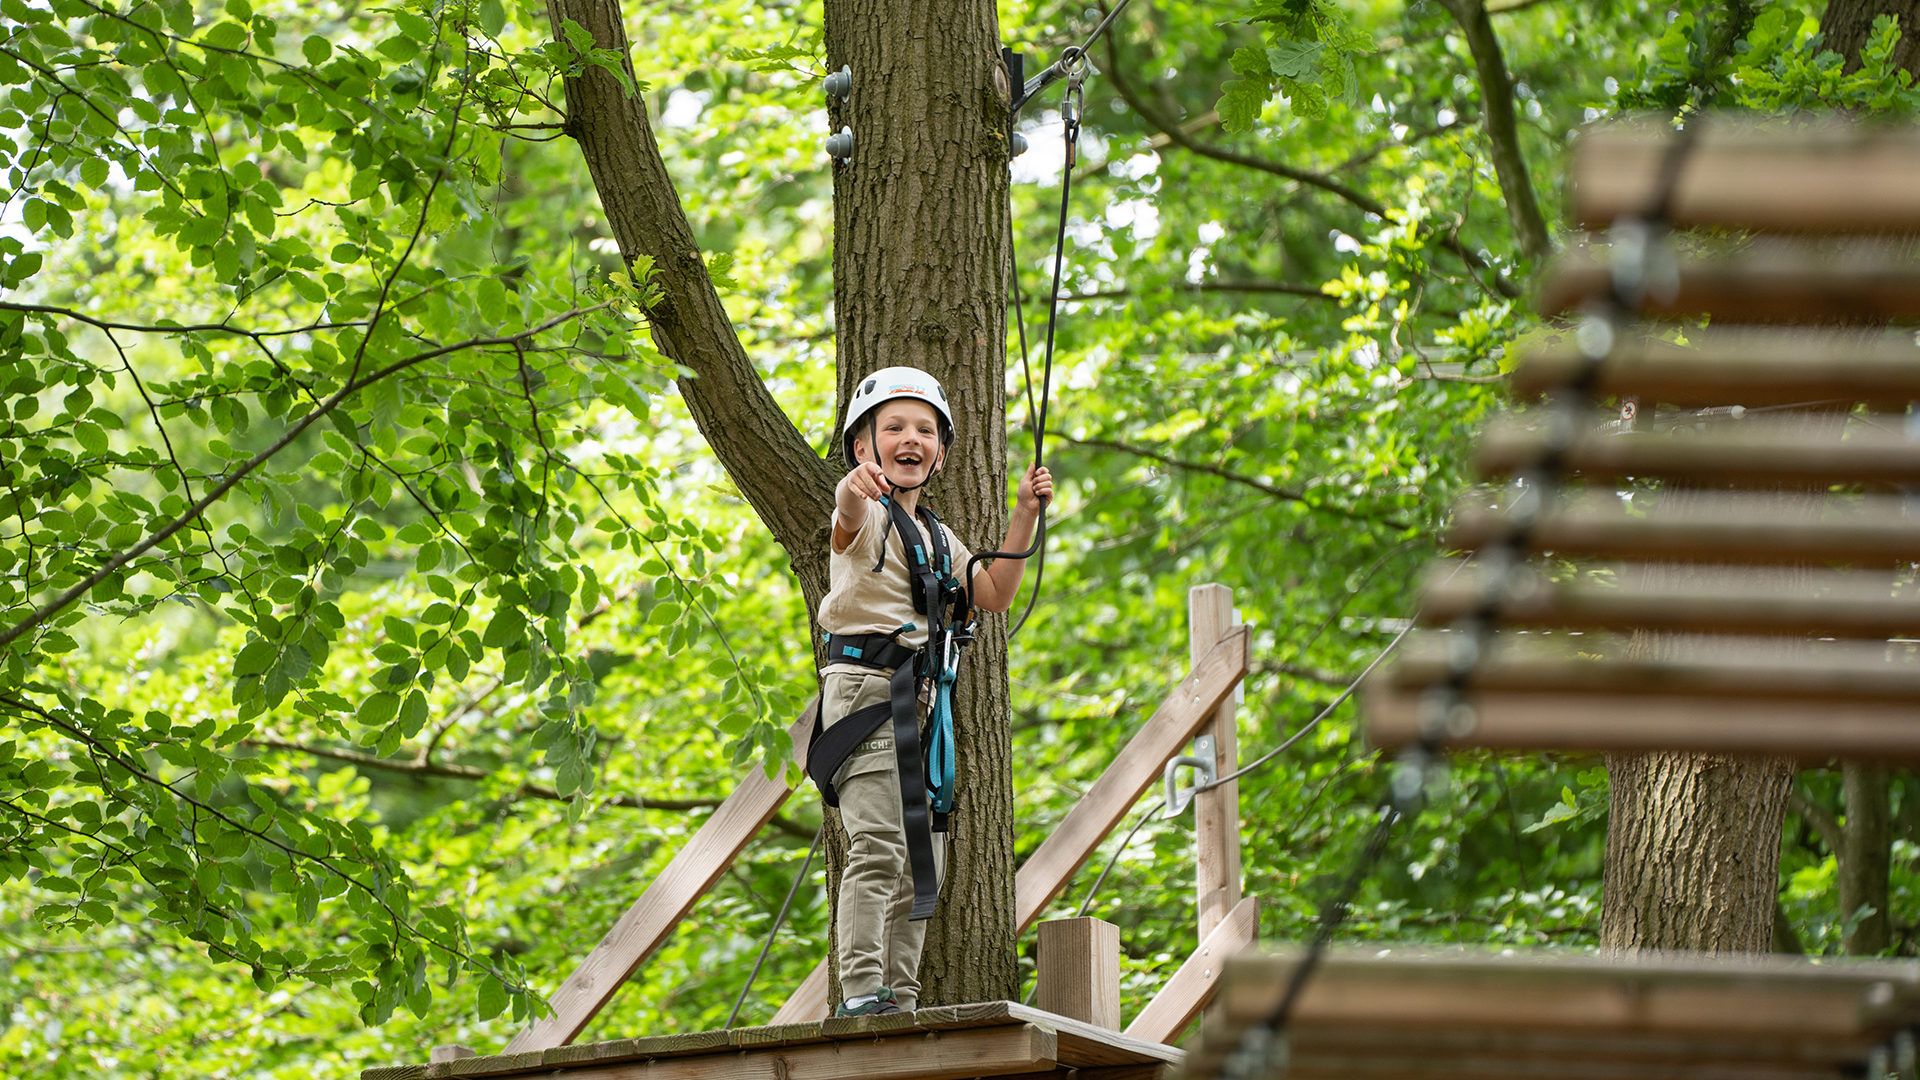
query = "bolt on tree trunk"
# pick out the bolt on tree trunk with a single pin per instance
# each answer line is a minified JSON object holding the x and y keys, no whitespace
{"x":920,"y":267}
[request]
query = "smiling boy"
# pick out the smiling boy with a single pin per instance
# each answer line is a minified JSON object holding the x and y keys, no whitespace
{"x":876,"y":616}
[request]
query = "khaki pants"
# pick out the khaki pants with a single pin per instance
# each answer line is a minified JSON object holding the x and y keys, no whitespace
{"x":878,"y":946}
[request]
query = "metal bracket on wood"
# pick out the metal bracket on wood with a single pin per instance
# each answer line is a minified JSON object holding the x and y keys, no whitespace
{"x":1201,"y":760}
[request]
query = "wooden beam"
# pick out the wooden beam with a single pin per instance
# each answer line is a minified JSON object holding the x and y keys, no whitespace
{"x":1079,"y":970}
{"x":1734,"y":366}
{"x":1873,"y":531}
{"x":1810,"y":731}
{"x":1216,"y":813}
{"x":1833,"y":178}
{"x":1193,"y":986}
{"x":1752,"y":453}
{"x":1821,"y":603}
{"x":1732,"y":669}
{"x":1765,"y":283}
{"x":1135,"y":769}
{"x":652,"y":918}
{"x":1404,"y":1012}
{"x":1047,"y":871}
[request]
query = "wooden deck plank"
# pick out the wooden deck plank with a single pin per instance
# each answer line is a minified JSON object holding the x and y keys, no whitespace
{"x":1083,"y":1045}
{"x":1764,"y":283}
{"x":749,"y":1038}
{"x":956,"y":1055}
{"x":1192,"y":987}
{"x":653,"y":917}
{"x":1052,"y":865}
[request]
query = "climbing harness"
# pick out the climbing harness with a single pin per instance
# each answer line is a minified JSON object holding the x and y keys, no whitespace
{"x":926,"y":775}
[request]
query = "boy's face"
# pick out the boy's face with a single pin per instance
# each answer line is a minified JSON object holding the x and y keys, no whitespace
{"x":909,"y":436}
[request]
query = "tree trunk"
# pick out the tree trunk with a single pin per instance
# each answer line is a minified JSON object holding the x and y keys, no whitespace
{"x":1496,"y":103}
{"x":920,"y":266}
{"x":1846,"y":25}
{"x":1693,"y":852}
{"x":1865,"y":856}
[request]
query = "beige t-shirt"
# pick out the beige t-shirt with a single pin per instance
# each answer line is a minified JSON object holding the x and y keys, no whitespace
{"x":860,"y":601}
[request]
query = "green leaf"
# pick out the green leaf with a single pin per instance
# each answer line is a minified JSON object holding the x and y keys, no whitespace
{"x":492,"y":998}
{"x":413,"y":26}
{"x":316,"y":49}
{"x":254,"y":659}
{"x":493,"y":17}
{"x":1241,"y":102}
{"x":93,"y":172}
{"x":378,"y":709}
{"x":1293,"y":59}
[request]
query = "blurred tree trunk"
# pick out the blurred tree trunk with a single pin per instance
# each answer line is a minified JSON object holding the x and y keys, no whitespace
{"x":1865,"y":857}
{"x":1503,"y":131}
{"x":1847,"y":24}
{"x":920,"y":265}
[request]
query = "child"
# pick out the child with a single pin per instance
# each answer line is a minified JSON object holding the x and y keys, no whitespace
{"x":877,"y":614}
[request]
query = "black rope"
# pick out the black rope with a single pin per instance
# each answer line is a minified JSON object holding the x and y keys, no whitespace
{"x":1070,"y":123}
{"x":777,"y":921}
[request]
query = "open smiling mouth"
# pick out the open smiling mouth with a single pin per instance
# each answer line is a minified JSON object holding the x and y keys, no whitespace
{"x":911,"y":461}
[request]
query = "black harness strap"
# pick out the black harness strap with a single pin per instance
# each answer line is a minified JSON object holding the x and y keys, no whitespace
{"x":830,"y":747}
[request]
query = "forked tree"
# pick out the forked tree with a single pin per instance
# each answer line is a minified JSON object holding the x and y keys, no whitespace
{"x":920,"y":277}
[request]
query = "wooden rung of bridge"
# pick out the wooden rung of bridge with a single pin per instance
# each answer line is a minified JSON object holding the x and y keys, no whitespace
{"x":1728,"y":366}
{"x":1820,"y":603}
{"x":1373,"y":1013}
{"x":1872,"y":531}
{"x":1840,"y":180}
{"x":1767,"y":453}
{"x":1775,"y":282}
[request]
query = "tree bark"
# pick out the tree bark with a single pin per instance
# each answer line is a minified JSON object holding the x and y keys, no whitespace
{"x":1496,"y":103}
{"x":920,"y":265}
{"x":1693,"y":852}
{"x":1846,"y":25}
{"x":920,"y":268}
{"x":1865,"y":856}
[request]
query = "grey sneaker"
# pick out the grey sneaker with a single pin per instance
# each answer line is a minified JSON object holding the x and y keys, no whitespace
{"x":882,"y":1005}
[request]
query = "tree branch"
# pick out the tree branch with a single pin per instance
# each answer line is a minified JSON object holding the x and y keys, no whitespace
{"x":417,"y":767}
{"x":213,"y":495}
{"x":1177,"y":133}
{"x":1272,"y":491}
{"x":789,"y":486}
{"x":1287,"y":288}
{"x":1307,"y":672}
{"x":1496,"y":106}
{"x":1819,"y":817}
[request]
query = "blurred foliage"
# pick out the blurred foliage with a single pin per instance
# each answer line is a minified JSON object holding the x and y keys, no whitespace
{"x":382,"y":742}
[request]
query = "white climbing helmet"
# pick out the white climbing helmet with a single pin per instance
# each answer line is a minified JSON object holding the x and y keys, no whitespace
{"x":886,"y":385}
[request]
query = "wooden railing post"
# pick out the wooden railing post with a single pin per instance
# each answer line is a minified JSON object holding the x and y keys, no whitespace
{"x":1079,"y":970}
{"x":1216,"y":830}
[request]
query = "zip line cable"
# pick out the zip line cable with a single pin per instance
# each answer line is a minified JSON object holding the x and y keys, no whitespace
{"x":777,"y":921}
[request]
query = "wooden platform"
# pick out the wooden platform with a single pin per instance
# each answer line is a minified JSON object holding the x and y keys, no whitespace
{"x":1375,"y":1013}
{"x":957,"y":1042}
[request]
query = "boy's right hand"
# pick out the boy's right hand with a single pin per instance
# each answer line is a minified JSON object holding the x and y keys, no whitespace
{"x":868,"y":481}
